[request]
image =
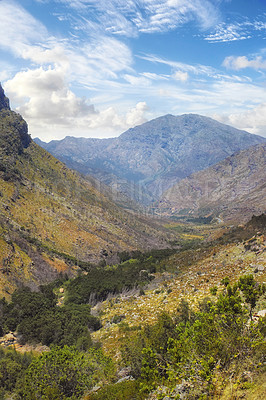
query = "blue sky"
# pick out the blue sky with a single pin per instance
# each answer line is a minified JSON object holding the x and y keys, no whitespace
{"x":96,"y":68}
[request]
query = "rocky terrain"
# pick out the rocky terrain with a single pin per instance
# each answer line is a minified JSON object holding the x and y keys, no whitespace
{"x":146,"y":160}
{"x":188,"y":275}
{"x":233,"y":189}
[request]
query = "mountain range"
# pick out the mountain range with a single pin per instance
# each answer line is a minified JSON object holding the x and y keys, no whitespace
{"x":147,"y":160}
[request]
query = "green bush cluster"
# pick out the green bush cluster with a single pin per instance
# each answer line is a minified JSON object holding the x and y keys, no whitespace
{"x":63,"y":373}
{"x":36,"y":318}
{"x":98,"y":283}
{"x":13,"y":366}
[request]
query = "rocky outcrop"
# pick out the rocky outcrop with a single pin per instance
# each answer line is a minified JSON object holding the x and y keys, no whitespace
{"x":14,"y":135}
{"x":4,"y":102}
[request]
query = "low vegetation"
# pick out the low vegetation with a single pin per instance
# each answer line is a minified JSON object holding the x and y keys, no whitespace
{"x":192,"y":353}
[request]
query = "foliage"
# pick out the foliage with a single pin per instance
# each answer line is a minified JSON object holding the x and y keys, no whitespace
{"x":37,"y":318}
{"x":251,"y":290}
{"x":64,"y":374}
{"x":98,"y":283}
{"x":192,"y":346}
{"x":12,"y":368}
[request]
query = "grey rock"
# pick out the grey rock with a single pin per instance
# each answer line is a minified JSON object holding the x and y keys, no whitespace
{"x":4,"y":102}
{"x":146,"y":160}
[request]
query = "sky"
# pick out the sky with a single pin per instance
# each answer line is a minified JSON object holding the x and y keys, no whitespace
{"x":95,"y":68}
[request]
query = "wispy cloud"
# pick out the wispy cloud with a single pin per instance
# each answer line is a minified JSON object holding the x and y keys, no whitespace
{"x":228,"y":33}
{"x":129,"y":18}
{"x":243,"y":29}
{"x":43,"y":91}
{"x":179,"y":67}
{"x":18,"y":29}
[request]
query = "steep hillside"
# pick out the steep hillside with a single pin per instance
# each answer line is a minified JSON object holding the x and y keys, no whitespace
{"x":233,"y":189}
{"x":150,"y":158}
{"x":52,"y":220}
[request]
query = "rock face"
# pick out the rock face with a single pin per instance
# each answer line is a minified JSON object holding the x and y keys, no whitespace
{"x":234,"y":186}
{"x":14,"y":135}
{"x":4,"y":102}
{"x":150,"y":158}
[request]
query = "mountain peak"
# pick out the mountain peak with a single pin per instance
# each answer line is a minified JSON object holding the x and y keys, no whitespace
{"x":4,"y":102}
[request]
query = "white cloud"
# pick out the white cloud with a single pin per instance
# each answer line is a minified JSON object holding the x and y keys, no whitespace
{"x":18,"y":29}
{"x":44,"y":96}
{"x":52,"y":110}
{"x":136,"y":115}
{"x":180,"y":76}
{"x":196,"y":69}
{"x":242,"y":29}
{"x":242,"y":62}
{"x":97,"y":56}
{"x":137,"y":80}
{"x":132,"y":17}
{"x":253,"y":120}
{"x":229,"y":33}
{"x":155,"y":77}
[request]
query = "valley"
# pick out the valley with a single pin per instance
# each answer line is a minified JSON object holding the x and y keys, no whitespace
{"x":145,"y":294}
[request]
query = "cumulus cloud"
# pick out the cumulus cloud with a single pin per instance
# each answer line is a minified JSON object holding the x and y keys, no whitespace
{"x":53,"y":110}
{"x":44,"y":95}
{"x":242,"y":62}
{"x":253,"y":120}
{"x":136,"y":115}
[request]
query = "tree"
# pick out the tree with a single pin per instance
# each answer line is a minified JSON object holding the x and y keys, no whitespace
{"x":251,"y":290}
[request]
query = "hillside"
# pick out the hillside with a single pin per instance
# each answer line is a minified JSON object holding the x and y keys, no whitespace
{"x":233,"y":189}
{"x":51,"y":219}
{"x":146,"y":160}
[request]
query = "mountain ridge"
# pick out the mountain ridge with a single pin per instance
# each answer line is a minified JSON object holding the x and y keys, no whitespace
{"x":234,"y":187}
{"x":155,"y":155}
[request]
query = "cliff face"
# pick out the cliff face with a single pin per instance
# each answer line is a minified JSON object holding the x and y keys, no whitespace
{"x":4,"y":102}
{"x":14,"y":135}
{"x":233,"y":188}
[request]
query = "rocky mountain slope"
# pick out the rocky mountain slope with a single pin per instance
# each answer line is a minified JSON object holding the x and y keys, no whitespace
{"x":52,"y":220}
{"x":147,"y":160}
{"x":235,"y":188}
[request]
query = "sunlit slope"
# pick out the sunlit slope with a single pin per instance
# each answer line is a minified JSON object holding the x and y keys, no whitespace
{"x":52,"y":219}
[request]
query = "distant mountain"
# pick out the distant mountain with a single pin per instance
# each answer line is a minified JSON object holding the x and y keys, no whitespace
{"x":51,"y":219}
{"x":235,"y":188}
{"x":150,"y":158}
